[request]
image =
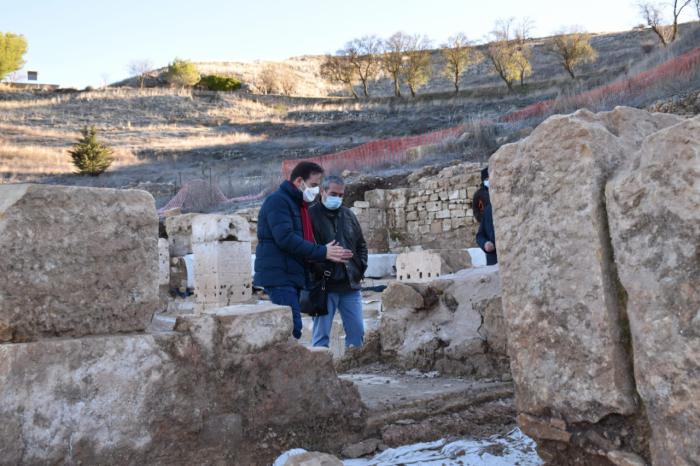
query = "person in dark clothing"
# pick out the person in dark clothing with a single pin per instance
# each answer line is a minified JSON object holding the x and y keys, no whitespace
{"x":486,"y":236}
{"x":286,"y":243}
{"x":331,"y":221}
{"x":481,"y":197}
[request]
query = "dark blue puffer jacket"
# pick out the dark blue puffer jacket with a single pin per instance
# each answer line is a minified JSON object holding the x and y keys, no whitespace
{"x":282,"y":256}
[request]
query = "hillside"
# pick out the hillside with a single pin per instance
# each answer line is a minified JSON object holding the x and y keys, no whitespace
{"x":617,"y":52}
{"x":163,"y":138}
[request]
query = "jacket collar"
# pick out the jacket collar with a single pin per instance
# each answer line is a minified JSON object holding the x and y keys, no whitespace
{"x":290,"y":190}
{"x":329,"y":212}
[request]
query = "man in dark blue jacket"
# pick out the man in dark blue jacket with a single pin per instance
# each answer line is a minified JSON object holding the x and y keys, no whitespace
{"x":286,"y":244}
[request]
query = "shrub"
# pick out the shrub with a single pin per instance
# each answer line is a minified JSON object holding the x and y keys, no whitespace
{"x":215,"y":82}
{"x":182,"y":73}
{"x":90,"y":156}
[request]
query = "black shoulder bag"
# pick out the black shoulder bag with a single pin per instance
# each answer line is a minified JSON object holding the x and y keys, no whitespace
{"x":314,"y":300}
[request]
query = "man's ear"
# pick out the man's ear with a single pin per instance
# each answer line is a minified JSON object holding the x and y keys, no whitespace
{"x":297,"y":181}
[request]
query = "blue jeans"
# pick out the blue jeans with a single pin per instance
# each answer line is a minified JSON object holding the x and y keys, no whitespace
{"x":350,"y":306}
{"x":287,"y":296}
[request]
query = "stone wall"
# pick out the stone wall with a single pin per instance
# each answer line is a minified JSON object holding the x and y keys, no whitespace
{"x":436,"y":213}
{"x":599,"y":238}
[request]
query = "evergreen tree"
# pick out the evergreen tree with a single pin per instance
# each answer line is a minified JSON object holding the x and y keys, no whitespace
{"x":90,"y":156}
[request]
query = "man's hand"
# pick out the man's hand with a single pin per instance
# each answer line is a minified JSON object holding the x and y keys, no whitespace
{"x":489,"y":247}
{"x":336,"y":253}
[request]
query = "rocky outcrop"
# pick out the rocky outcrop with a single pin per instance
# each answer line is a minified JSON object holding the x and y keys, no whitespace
{"x":453,"y":324}
{"x":76,"y":261}
{"x":583,"y":311}
{"x":654,"y":213}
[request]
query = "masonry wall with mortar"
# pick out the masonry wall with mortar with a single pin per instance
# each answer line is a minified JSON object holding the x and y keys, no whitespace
{"x":434,"y":214}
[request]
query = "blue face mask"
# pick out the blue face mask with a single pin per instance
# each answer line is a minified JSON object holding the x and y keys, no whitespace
{"x":486,"y":183}
{"x":332,"y":202}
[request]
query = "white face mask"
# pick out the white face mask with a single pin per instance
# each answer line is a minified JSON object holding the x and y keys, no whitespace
{"x":486,"y":183}
{"x":333,"y":202}
{"x":310,"y":193}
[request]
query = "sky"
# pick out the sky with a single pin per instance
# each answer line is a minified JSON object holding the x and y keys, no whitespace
{"x":79,"y":43}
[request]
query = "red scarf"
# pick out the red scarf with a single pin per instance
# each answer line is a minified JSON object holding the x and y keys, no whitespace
{"x":306,"y":224}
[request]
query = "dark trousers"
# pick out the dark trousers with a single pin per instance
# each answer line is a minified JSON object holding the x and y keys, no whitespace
{"x":288,"y":296}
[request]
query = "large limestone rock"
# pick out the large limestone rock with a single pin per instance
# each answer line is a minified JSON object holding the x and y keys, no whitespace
{"x":453,"y":324}
{"x":569,"y":315}
{"x":76,"y":261}
{"x":203,"y":395}
{"x":654,"y":213}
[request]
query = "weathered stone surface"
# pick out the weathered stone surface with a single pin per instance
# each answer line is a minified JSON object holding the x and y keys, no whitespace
{"x":76,"y":261}
{"x":401,"y":296}
{"x":424,"y":266}
{"x":654,"y":213}
{"x":539,"y":429}
{"x":313,"y":458}
{"x":239,"y":329}
{"x":625,"y":458}
{"x":216,"y":227}
{"x":441,"y":325}
{"x":363,"y":448}
{"x":598,"y":222}
{"x":170,"y":398}
{"x":561,"y":300}
{"x":179,"y":230}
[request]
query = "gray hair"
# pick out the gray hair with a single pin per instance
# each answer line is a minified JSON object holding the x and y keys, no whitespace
{"x":332,"y":179}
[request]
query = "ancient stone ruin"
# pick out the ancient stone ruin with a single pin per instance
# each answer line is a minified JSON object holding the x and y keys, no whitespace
{"x":435,"y":213}
{"x":120,"y":347}
{"x":598,"y":223}
{"x":81,"y":381}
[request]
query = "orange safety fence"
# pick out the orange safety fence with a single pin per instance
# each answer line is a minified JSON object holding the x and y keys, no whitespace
{"x":392,"y":151}
{"x":198,"y":195}
{"x":681,"y":67}
{"x":201,"y":195}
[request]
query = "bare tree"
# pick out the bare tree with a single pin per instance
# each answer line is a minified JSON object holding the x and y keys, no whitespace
{"x":458,"y":55}
{"x":508,"y":51}
{"x":286,"y":79}
{"x":523,"y":48}
{"x":651,"y":13}
{"x":338,"y":70}
{"x":395,"y":48}
{"x":697,"y":7}
{"x":417,"y":67}
{"x":267,"y":82}
{"x":572,"y":48}
{"x":363,"y":54}
{"x":140,"y":68}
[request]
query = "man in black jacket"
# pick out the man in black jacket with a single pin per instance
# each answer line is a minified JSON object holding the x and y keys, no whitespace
{"x":333,"y":222}
{"x":286,"y":244}
{"x":486,"y":236}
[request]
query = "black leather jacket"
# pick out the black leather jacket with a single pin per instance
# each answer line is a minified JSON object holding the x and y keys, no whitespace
{"x":344,"y":277}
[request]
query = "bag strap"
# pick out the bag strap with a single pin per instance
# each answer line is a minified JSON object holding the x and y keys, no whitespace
{"x":338,"y":229}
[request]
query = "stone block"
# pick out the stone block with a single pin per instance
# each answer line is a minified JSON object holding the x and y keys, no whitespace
{"x":215,"y":227}
{"x":179,"y":230}
{"x":76,"y":261}
{"x":163,"y":262}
